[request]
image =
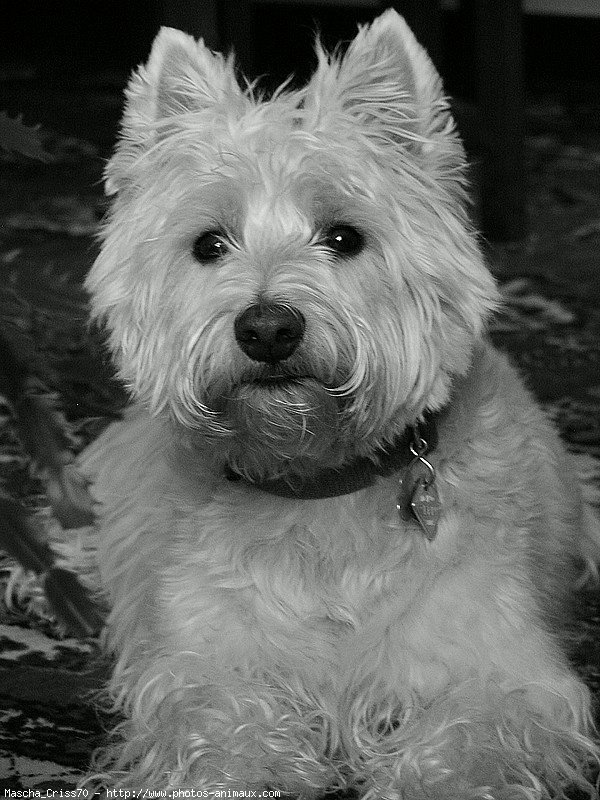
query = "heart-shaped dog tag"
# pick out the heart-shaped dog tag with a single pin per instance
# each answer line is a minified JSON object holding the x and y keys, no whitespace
{"x":417,"y":472}
{"x":406,"y":486}
{"x":425,"y":505}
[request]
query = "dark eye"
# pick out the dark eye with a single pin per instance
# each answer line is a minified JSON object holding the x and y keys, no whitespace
{"x":344,"y":240}
{"x":210,"y":246}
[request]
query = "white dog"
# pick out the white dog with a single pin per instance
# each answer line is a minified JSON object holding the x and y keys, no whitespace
{"x":337,"y":533}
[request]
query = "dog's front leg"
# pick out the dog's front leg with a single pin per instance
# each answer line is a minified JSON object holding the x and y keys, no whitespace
{"x":193,"y":725}
{"x":467,"y":701}
{"x":474,"y":741}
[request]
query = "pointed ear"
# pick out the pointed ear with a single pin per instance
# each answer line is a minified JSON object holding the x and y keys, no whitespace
{"x":386,"y":85}
{"x":186,"y":76}
{"x":181,"y":76}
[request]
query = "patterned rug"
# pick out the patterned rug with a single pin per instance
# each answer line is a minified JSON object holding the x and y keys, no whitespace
{"x":550,"y":324}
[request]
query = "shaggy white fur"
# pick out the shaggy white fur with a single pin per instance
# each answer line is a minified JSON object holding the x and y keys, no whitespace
{"x":303,"y":644}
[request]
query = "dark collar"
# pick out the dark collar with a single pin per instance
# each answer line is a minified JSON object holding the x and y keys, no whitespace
{"x":358,"y":474}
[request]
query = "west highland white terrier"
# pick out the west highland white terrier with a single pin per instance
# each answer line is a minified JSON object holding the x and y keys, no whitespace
{"x":337,"y":533}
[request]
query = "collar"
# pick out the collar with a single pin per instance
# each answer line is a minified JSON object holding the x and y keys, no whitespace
{"x":358,"y":474}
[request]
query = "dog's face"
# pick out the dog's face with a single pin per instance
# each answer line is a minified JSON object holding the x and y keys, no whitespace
{"x":295,"y":277}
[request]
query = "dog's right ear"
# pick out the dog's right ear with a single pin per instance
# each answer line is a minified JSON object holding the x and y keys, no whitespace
{"x":182,"y":76}
{"x":387,"y":88}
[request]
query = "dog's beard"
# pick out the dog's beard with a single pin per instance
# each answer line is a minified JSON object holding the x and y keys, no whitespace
{"x":282,"y":427}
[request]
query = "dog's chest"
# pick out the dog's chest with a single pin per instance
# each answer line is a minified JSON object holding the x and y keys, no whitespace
{"x":293,"y":571}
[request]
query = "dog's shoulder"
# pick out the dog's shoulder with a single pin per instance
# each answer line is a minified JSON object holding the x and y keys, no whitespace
{"x":126,"y":450}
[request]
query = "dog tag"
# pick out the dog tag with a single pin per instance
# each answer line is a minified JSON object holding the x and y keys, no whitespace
{"x":426,"y":507}
{"x":417,"y":471}
{"x":407,"y":484}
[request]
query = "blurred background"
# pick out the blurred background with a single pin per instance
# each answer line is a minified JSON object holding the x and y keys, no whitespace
{"x":525,"y":84}
{"x":514,"y":68}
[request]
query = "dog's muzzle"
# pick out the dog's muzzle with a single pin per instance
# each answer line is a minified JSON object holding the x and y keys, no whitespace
{"x":269,"y":332}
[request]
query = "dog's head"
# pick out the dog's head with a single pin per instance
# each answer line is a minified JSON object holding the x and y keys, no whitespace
{"x":296,"y":276}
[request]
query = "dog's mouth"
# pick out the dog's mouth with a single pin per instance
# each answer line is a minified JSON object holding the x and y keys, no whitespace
{"x":278,"y":417}
{"x":276,"y":379}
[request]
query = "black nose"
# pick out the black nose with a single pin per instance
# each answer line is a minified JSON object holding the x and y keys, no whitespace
{"x":269,"y":331}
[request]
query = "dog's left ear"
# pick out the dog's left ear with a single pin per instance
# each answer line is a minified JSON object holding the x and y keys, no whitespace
{"x":387,"y":85}
{"x":182,"y":76}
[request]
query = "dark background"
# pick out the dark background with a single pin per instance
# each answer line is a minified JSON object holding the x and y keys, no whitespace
{"x":55,"y":53}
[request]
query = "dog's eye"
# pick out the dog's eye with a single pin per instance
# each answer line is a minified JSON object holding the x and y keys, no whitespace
{"x":209,"y":246}
{"x":344,"y":240}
